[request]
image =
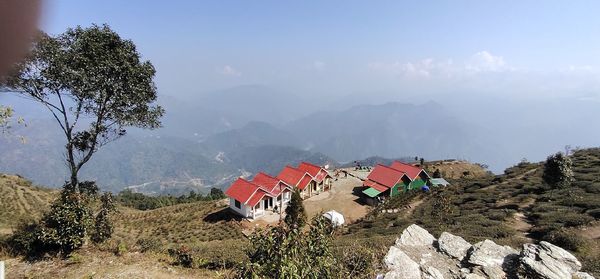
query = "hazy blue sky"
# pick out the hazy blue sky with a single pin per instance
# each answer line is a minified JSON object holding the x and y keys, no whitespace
{"x":523,"y":48}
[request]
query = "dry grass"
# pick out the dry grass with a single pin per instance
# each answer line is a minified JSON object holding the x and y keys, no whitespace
{"x":456,"y":169}
{"x":185,"y":224}
{"x":91,"y":263}
{"x":21,"y":201}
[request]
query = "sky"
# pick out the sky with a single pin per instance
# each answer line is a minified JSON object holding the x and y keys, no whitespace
{"x":523,"y":73}
{"x":515,"y":49}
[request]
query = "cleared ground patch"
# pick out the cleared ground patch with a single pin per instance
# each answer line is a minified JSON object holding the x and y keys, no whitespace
{"x":342,"y":198}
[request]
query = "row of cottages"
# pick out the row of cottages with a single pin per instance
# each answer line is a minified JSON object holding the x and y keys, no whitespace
{"x":389,"y":181}
{"x":253,"y":198}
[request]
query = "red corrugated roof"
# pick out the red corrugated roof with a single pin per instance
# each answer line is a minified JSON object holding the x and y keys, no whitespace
{"x":255,"y":199}
{"x":385,"y":176}
{"x":241,"y":190}
{"x":315,"y":171}
{"x":265,"y":181}
{"x":270,"y":184}
{"x":293,"y":176}
{"x":411,"y":171}
{"x":304,"y":182}
{"x":375,"y":185}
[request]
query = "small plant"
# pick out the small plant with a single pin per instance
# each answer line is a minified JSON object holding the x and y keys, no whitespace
{"x":148,"y":244}
{"x":74,"y":258}
{"x":183,"y":256}
{"x":121,"y":249}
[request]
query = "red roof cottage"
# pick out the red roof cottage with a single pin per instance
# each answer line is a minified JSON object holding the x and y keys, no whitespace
{"x":252,"y":198}
{"x":279,"y":190}
{"x":386,"y":180}
{"x":413,"y":172}
{"x":319,"y":174}
{"x":393,"y":180}
{"x":299,"y":179}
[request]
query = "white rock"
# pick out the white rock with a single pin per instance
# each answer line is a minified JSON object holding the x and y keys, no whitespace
{"x":401,"y":265}
{"x":582,"y":275}
{"x":491,"y":272}
{"x":415,"y":236}
{"x":548,"y":261}
{"x":454,"y":246}
{"x":429,"y":272}
{"x":488,"y":253}
{"x":473,"y":276}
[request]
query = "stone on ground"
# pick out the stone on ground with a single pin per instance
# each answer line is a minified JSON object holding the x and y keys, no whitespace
{"x":454,"y":246}
{"x":415,"y":236}
{"x":488,"y":253}
{"x":548,"y":261}
{"x":402,"y":265}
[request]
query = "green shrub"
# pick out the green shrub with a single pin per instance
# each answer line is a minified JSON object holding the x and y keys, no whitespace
{"x":594,"y":213}
{"x":148,"y":244}
{"x":182,"y":256}
{"x":566,"y":240}
{"x":74,"y":258}
{"x":121,"y":249}
{"x":286,"y":252}
{"x":356,"y":262}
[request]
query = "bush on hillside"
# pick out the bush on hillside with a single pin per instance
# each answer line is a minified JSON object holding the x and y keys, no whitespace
{"x":182,"y":256}
{"x":63,"y":229}
{"x":566,"y":240}
{"x":286,"y":252}
{"x":357,"y":262}
{"x":594,"y":213}
{"x":144,"y":202}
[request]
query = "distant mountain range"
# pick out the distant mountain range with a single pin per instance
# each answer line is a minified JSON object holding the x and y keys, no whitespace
{"x":210,"y":139}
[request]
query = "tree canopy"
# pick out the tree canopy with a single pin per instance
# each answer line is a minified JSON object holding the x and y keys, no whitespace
{"x":295,"y":216}
{"x":558,"y":171}
{"x":94,"y":83}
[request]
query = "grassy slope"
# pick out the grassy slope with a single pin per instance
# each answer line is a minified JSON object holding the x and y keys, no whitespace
{"x":513,"y":208}
{"x":21,"y":201}
{"x":183,"y":224}
{"x":478,"y":208}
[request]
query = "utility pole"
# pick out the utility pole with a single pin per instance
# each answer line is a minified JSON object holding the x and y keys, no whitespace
{"x":280,"y":203}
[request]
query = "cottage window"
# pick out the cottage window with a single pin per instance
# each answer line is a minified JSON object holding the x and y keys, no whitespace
{"x":238,"y":204}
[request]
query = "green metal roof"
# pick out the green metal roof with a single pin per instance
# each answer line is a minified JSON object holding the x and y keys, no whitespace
{"x":417,"y":184}
{"x":371,"y":192}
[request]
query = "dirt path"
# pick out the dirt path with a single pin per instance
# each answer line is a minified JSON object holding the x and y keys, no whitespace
{"x":340,"y":199}
{"x":520,"y":222}
{"x":412,"y":206}
{"x":592,"y":231}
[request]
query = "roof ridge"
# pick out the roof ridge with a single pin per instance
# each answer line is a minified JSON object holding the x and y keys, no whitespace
{"x":310,"y":164}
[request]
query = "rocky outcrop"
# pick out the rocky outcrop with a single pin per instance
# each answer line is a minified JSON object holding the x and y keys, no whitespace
{"x":548,"y":261}
{"x":454,"y":246}
{"x":415,"y":236}
{"x":487,"y":253}
{"x":418,"y":255}
{"x":401,"y":265}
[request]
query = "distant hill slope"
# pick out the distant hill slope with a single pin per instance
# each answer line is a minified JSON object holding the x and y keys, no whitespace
{"x":21,"y":201}
{"x":394,"y":130}
{"x":154,"y":164}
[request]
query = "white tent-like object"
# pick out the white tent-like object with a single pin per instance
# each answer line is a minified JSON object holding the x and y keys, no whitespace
{"x":336,"y":218}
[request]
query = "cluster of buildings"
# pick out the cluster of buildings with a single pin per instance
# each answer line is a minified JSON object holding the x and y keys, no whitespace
{"x":389,"y":181}
{"x":253,"y":198}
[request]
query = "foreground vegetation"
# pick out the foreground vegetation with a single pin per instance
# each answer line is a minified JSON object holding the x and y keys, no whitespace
{"x":513,"y":208}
